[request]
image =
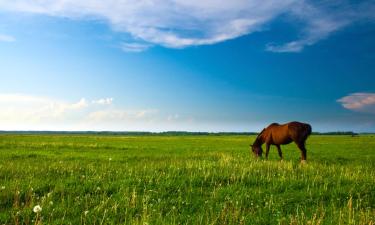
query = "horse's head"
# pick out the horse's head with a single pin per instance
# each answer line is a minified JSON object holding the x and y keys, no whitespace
{"x":256,"y":147}
{"x":257,"y":150}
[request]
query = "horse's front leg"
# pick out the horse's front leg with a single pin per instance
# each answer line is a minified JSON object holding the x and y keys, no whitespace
{"x":267,"y":150}
{"x":280,"y":153}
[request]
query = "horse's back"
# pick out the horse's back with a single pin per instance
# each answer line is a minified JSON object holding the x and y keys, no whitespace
{"x":278,"y":134}
{"x":274,"y":127}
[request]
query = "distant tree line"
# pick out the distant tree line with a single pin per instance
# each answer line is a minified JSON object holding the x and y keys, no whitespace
{"x":336,"y":133}
{"x":165,"y":133}
{"x":133,"y":133}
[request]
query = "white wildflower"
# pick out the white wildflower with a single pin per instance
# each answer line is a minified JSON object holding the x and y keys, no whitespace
{"x":86,"y":212}
{"x":51,"y":202}
{"x":37,"y":209}
{"x":2,"y":187}
{"x":110,"y":159}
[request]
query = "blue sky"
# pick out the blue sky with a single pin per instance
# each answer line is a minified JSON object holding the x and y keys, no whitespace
{"x":186,"y":65}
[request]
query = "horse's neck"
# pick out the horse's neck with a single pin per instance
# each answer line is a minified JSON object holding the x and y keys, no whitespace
{"x":259,"y":140}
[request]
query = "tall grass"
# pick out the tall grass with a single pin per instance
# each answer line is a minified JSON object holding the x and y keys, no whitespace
{"x":184,"y":180}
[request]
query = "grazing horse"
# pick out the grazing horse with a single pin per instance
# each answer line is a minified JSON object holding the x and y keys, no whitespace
{"x":276,"y":134}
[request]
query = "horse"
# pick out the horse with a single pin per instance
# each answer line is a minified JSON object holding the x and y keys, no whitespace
{"x":276,"y":134}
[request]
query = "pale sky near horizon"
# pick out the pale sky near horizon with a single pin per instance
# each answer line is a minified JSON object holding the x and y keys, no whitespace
{"x":159,"y":65}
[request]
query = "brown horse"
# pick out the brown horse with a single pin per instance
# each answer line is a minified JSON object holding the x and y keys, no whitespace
{"x":276,"y":134}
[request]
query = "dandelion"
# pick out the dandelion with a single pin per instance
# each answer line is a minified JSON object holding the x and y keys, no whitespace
{"x":37,"y":209}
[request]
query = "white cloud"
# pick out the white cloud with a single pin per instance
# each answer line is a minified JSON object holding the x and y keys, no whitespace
{"x":173,"y":117}
{"x":361,"y":102}
{"x":181,"y":23}
{"x":18,"y":108}
{"x":103,"y":101}
{"x":7,"y":38}
{"x":27,"y":112}
{"x":79,"y":105}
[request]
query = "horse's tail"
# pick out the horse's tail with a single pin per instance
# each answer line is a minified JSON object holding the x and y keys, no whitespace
{"x":308,"y":130}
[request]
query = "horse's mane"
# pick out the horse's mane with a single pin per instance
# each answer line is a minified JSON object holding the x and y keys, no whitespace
{"x":257,"y":140}
{"x":261,"y":133}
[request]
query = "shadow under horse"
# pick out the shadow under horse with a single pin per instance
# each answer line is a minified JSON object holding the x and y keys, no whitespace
{"x":276,"y":134}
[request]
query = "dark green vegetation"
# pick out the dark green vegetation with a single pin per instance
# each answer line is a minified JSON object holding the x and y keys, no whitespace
{"x":93,"y":179}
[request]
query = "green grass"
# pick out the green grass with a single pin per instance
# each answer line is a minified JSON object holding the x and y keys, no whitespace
{"x":184,"y":180}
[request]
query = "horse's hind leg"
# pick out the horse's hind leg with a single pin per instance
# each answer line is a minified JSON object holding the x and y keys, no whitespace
{"x":280,"y":153}
{"x":301,"y":146}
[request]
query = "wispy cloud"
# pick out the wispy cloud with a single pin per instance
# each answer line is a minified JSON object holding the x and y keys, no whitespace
{"x":7,"y":38}
{"x":134,"y":47}
{"x":320,"y":19}
{"x":361,"y":102}
{"x":181,"y":23}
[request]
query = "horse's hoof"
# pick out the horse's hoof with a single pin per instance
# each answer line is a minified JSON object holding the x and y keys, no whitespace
{"x":303,"y":161}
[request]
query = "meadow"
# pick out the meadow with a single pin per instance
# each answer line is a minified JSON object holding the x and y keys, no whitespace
{"x":212,"y":179}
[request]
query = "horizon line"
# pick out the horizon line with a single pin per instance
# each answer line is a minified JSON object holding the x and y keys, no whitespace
{"x":168,"y":131}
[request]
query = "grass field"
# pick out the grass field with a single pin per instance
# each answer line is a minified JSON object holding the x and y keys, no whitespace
{"x":93,"y":179}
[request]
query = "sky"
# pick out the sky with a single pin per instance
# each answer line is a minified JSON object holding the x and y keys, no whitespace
{"x":186,"y":65}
